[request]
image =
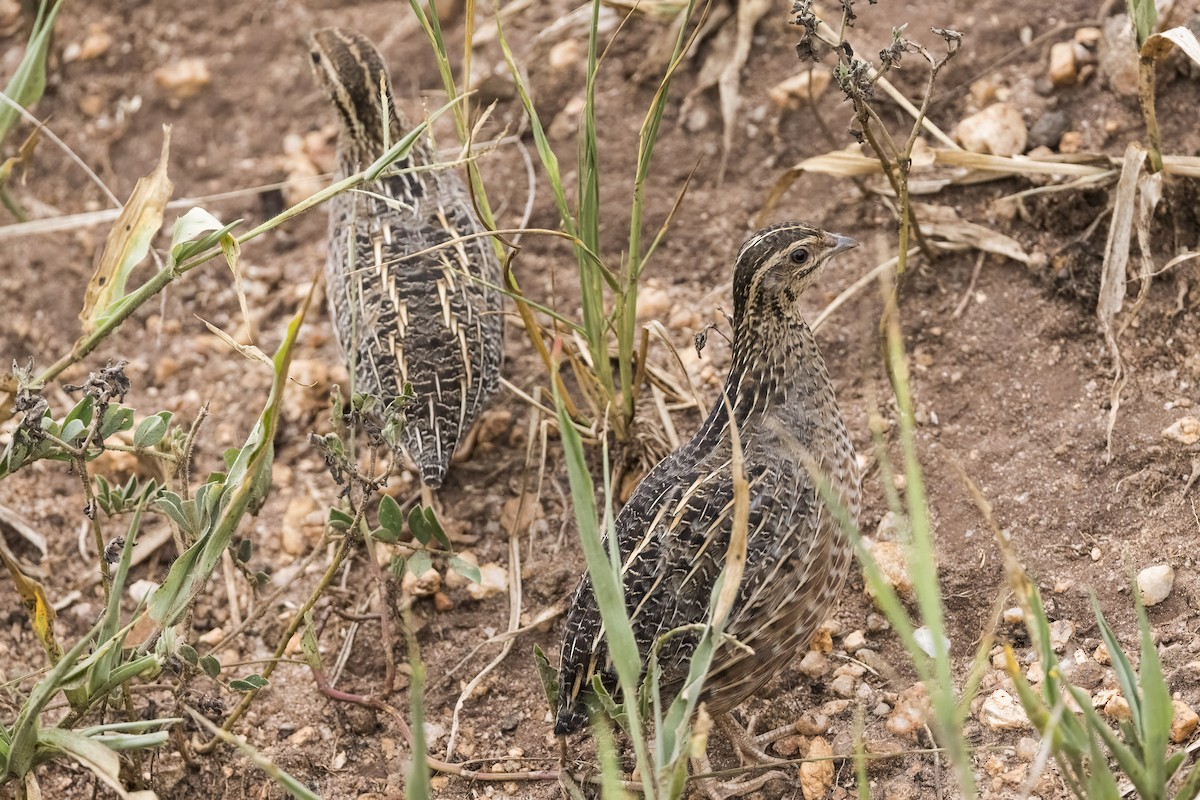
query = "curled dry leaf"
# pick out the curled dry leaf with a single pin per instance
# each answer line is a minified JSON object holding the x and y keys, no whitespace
{"x":129,"y":240}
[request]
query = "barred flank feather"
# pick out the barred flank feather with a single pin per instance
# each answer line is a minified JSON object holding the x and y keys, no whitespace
{"x":674,"y":531}
{"x":404,"y":319}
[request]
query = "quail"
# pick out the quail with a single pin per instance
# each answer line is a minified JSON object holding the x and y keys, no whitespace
{"x":413,"y":303}
{"x":674,"y":531}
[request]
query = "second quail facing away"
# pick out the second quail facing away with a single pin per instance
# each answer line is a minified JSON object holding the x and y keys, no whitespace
{"x":675,"y":529}
{"x":402,"y":318}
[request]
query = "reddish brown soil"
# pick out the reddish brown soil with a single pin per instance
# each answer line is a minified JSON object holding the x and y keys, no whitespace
{"x":1014,"y":391}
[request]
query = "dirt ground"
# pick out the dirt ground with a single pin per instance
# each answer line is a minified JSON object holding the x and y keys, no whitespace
{"x":1014,"y":389}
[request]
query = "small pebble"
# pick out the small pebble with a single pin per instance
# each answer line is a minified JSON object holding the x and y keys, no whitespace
{"x":999,"y":129}
{"x":1117,"y":708}
{"x":855,"y":640}
{"x":1061,"y":632}
{"x":1063,"y":69}
{"x":814,"y":664}
{"x":1185,"y":430}
{"x":1027,"y":748}
{"x":843,"y":685}
{"x":1001,"y":711}
{"x":1184,"y":722}
{"x":816,"y":776}
{"x":1155,"y":583}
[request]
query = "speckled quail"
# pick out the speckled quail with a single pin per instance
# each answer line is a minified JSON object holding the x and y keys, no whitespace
{"x":432,"y":320}
{"x":674,"y":531}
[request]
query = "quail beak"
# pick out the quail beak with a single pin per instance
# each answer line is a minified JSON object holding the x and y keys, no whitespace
{"x":841,"y":244}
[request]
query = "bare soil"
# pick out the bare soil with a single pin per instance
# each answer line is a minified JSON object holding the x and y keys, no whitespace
{"x":1014,"y":391}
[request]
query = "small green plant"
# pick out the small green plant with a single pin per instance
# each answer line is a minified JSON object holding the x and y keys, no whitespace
{"x":1082,"y":743}
{"x":663,"y":758}
{"x":608,"y":394}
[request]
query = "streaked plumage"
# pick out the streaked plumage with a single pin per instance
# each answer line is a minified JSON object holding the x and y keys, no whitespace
{"x":674,"y":531}
{"x":403,"y":319}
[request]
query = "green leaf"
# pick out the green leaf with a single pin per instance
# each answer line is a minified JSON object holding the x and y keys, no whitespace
{"x":390,"y":517}
{"x":1144,"y":16}
{"x":210,"y":665}
{"x":339,"y":520}
{"x":117,"y":418}
{"x":419,"y":526}
{"x":249,"y":683}
{"x":309,"y":644}
{"x":28,"y":81}
{"x":189,"y":654}
{"x":548,"y":675}
{"x":435,"y":527}
{"x":465,"y":568}
{"x":396,"y":566}
{"x":245,"y":550}
{"x":72,"y":430}
{"x":186,"y":239}
{"x":82,"y":411}
{"x":152,"y":429}
{"x":419,"y":563}
{"x":384,"y":535}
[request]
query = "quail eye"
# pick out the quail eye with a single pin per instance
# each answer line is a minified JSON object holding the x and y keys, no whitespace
{"x":316,"y":57}
{"x":799,"y":256}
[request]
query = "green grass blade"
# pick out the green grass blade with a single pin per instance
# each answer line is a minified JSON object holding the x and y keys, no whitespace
{"x":606,"y":583}
{"x":1157,"y":709}
{"x":28,"y":82}
{"x":191,"y":570}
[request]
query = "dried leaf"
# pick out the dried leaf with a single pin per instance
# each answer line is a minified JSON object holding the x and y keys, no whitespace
{"x":41,"y":613}
{"x":248,"y":350}
{"x":943,"y":222}
{"x":1158,"y":45}
{"x":1116,"y":250}
{"x":129,"y":240}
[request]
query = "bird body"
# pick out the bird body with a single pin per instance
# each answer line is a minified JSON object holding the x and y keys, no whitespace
{"x":411,"y":303}
{"x":674,"y":531}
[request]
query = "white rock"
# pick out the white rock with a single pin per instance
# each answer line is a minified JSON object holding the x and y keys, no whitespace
{"x":814,"y":664}
{"x":1001,"y":711}
{"x":1155,"y":583}
{"x":1185,"y":430}
{"x":999,"y":129}
{"x":925,"y":640}
{"x":854,"y":641}
{"x":1014,"y":616}
{"x":140,"y":590}
{"x":423,"y":585}
{"x":493,"y":580}
{"x":893,"y":563}
{"x":1061,"y":632}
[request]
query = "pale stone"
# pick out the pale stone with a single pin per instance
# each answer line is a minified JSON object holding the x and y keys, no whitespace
{"x":1001,"y":711}
{"x":183,"y":78}
{"x":1063,"y":69}
{"x":816,"y":777}
{"x":999,"y":129}
{"x":1184,"y":722}
{"x":1155,"y":583}
{"x":423,"y":585}
{"x":1185,"y":430}
{"x":493,"y":580}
